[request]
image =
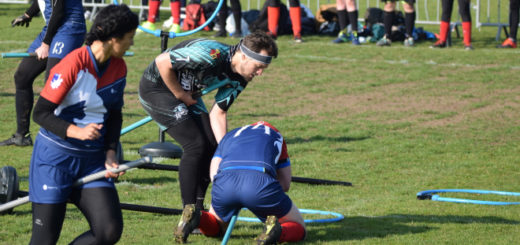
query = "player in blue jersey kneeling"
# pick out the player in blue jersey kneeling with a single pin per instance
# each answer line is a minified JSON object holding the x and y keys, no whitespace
{"x":251,"y":169}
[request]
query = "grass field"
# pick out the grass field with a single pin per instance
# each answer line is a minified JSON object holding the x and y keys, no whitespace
{"x":393,"y":121}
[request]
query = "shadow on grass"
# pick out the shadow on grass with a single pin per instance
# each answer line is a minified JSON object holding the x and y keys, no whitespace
{"x":359,"y":228}
{"x":6,"y":94}
{"x":324,"y":138}
{"x":127,"y":114}
{"x":151,"y":180}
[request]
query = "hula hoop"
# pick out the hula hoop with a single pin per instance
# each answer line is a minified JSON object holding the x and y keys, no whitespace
{"x":423,"y":195}
{"x":172,"y":34}
{"x":338,"y":216}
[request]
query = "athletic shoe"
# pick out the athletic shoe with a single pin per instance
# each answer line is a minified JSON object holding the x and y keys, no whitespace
{"x":147,"y":25}
{"x":354,"y":39}
{"x":508,"y":43}
{"x":342,"y":38}
{"x":272,"y":35}
{"x":272,"y":231}
{"x":439,"y":44}
{"x":175,"y":28}
{"x":408,"y":42}
{"x":384,"y":41}
{"x":237,"y":34}
{"x":298,"y":39}
{"x":189,"y":221}
{"x":18,"y":140}
{"x":220,"y":33}
{"x":468,"y":47}
{"x":87,"y":15}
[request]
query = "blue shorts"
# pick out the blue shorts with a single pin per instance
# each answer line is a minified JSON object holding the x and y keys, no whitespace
{"x":70,"y":36}
{"x":257,"y":191}
{"x":54,"y":170}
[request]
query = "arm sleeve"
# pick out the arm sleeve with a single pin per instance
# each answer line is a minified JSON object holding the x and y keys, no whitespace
{"x":113,"y":129}
{"x":33,"y":9}
{"x":226,"y":95}
{"x":44,"y":116}
{"x":55,"y":21}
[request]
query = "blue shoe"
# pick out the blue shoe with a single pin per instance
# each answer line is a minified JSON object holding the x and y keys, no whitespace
{"x":354,"y":39}
{"x":342,"y":38}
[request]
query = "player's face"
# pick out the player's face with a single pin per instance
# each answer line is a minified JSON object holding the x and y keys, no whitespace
{"x":251,"y":67}
{"x":121,"y":45}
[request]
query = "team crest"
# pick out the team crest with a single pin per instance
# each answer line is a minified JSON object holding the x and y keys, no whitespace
{"x":214,"y":53}
{"x":56,"y":81}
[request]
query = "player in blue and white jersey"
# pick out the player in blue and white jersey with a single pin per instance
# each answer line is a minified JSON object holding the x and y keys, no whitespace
{"x":63,"y":32}
{"x":169,"y":90}
{"x":251,"y":169}
{"x":79,"y":111}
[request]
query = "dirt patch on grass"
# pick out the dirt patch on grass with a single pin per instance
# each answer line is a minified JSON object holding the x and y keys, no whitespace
{"x":437,"y":106}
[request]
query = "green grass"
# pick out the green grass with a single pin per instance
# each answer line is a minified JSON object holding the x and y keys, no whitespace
{"x":393,"y":121}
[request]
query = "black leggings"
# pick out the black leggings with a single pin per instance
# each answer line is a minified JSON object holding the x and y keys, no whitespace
{"x":514,"y":6}
{"x":27,"y":71}
{"x":447,"y":8}
{"x":198,"y":144}
{"x":237,"y":14}
{"x":99,"y":205}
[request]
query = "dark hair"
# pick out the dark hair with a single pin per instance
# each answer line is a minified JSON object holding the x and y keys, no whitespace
{"x":258,"y":41}
{"x":112,"y":21}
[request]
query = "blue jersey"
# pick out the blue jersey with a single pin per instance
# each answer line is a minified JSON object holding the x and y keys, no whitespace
{"x":246,"y":175}
{"x":258,"y":146}
{"x":73,"y":15}
{"x":70,"y":33}
{"x":201,"y":64}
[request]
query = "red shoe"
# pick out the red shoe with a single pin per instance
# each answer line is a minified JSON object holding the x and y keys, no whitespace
{"x":508,"y":43}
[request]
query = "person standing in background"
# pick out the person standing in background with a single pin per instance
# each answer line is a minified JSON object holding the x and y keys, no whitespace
{"x":510,"y":42}
{"x":63,"y":32}
{"x":347,"y":13}
{"x":388,"y":19}
{"x":464,"y":11}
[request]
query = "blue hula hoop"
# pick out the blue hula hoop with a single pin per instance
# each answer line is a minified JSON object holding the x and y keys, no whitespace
{"x":172,"y":34}
{"x":338,"y":217}
{"x":431,"y":195}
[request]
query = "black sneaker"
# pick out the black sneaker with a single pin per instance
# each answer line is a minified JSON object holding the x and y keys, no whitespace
{"x":272,"y":35}
{"x":468,"y":47}
{"x":220,"y":33}
{"x":439,"y":44}
{"x":237,"y":34}
{"x":272,"y":231}
{"x":189,"y":221}
{"x":18,"y":140}
{"x":298,"y":39}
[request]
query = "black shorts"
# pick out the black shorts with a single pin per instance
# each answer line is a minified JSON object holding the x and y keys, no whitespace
{"x":162,"y":105}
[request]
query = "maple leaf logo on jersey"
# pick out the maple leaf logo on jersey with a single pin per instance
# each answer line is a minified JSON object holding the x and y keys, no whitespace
{"x":56,"y":81}
{"x":214,"y":53}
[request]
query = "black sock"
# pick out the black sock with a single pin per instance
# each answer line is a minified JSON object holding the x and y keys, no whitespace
{"x":513,"y":18}
{"x":353,"y":16}
{"x":409,"y":22}
{"x":388,"y":20}
{"x":342,"y":19}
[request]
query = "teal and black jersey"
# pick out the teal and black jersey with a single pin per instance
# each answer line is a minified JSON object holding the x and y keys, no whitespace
{"x":202,"y":64}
